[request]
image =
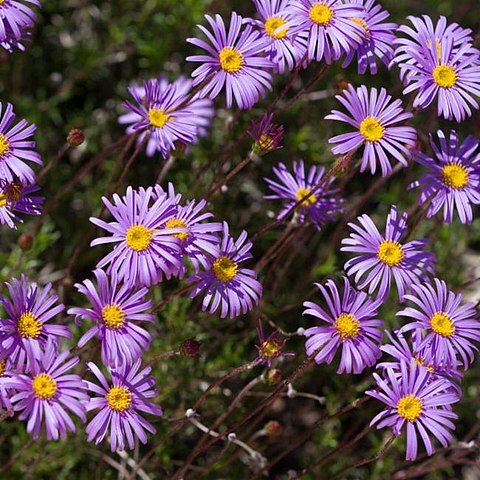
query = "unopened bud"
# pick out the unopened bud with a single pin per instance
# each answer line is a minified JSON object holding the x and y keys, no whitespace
{"x":273,"y":428}
{"x":190,"y":347}
{"x":342,"y":85}
{"x":76,"y":137}
{"x":272,"y":376}
{"x":25,"y":241}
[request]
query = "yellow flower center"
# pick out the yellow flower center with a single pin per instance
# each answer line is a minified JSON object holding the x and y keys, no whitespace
{"x":270,"y":349}
{"x":231,"y":60}
{"x":4,"y":143}
{"x":442,"y":324}
{"x":138,"y":238}
{"x":371,"y":129}
{"x":363,"y":24}
{"x":113,"y":316}
{"x":265,"y":142}
{"x":303,"y":192}
{"x":321,"y":14}
{"x":119,"y":398}
{"x":157,"y":117}
{"x":3,"y":200}
{"x":3,"y":363}
{"x":347,"y":326}
{"x":224,"y":269}
{"x":390,"y":253}
{"x":176,"y":223}
{"x":273,"y":27}
{"x":444,"y":76}
{"x":454,"y":175}
{"x":409,"y":407}
{"x":29,"y":326}
{"x":44,"y":386}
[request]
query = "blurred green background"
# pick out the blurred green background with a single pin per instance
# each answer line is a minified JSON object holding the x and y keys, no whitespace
{"x":75,"y":74}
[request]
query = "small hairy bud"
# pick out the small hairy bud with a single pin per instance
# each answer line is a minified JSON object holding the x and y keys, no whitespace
{"x":272,"y":376}
{"x":76,"y":137}
{"x":190,"y":347}
{"x":25,"y":241}
{"x":273,"y":428}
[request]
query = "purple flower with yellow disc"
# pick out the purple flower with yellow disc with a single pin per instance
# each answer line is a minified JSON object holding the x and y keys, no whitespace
{"x":235,"y":60}
{"x":377,"y":40}
{"x":275,"y":23}
{"x":267,"y":135}
{"x":424,"y":34}
{"x":450,"y":326}
{"x":403,"y":349}
{"x":26,"y":327}
{"x":453,"y":179}
{"x":352,"y":327}
{"x":379,"y":258}
{"x":319,"y":203}
{"x":146,"y":251}
{"x":116,"y":311}
{"x":120,"y":402}
{"x":374,"y":116}
{"x":228,"y":287}
{"x":47,"y":394}
{"x":166,"y":113}
{"x":327,"y":27}
{"x":16,"y":147}
{"x":419,"y":403}
{"x":16,"y":20}
{"x":270,"y":348}
{"x":200,"y":239}
{"x":448,"y":74}
{"x":16,"y":197}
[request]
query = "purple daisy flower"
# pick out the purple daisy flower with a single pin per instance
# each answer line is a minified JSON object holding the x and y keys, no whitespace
{"x":167,"y":114}
{"x":199,"y":240}
{"x":271,"y":347}
{"x":47,"y":393}
{"x":119,"y":404}
{"x":416,"y":399}
{"x":450,"y":74}
{"x":145,"y":251}
{"x":235,"y":61}
{"x":116,"y":309}
{"x":26,"y":327}
{"x":319,"y":203}
{"x":422,"y":36}
{"x":352,"y":327}
{"x":373,"y":115}
{"x":266,"y":135}
{"x":381,"y":257}
{"x":17,"y":197}
{"x":275,"y":23}
{"x":233,"y":289}
{"x":453,"y":180}
{"x":327,"y":27}
{"x":16,"y":19}
{"x":449,"y":326}
{"x":378,"y":38}
{"x":15,"y":147}
{"x":422,"y":354}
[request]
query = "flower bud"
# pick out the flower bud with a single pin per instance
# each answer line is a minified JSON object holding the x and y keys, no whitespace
{"x":273,"y":429}
{"x":272,"y":376}
{"x":25,"y":241}
{"x":190,"y":347}
{"x":76,"y":137}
